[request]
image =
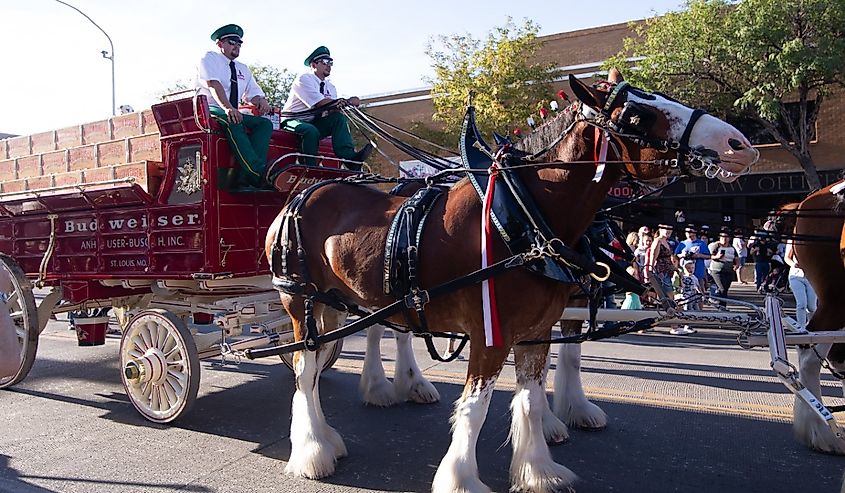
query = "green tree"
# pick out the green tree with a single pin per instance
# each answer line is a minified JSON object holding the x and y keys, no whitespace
{"x":749,"y":60}
{"x":509,"y":83}
{"x":275,"y":82}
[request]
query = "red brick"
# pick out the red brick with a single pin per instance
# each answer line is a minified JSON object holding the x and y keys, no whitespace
{"x":97,"y":174}
{"x":95,"y":132}
{"x":69,"y":137}
{"x":19,"y":146}
{"x":145,"y":148}
{"x":138,"y":170}
{"x":29,"y":166}
{"x":128,"y":125}
{"x":109,"y":153}
{"x":148,"y":123}
{"x":43,"y":142}
{"x":39,"y":182}
{"x":82,"y":157}
{"x":4,"y":149}
{"x":8,"y":170}
{"x":54,"y":162}
{"x":14,"y":186}
{"x":72,"y":178}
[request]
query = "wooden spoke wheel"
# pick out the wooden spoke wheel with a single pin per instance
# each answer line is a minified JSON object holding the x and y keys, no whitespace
{"x":287,"y":358}
{"x":21,"y":305}
{"x":161,"y":369}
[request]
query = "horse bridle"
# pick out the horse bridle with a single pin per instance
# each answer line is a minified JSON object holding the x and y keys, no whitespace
{"x":629,"y":126}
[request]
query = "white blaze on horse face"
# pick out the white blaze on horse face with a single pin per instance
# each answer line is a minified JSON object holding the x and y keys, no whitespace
{"x":733,"y":149}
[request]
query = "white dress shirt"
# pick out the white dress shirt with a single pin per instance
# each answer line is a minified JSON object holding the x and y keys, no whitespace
{"x":305,"y":93}
{"x":215,"y":66}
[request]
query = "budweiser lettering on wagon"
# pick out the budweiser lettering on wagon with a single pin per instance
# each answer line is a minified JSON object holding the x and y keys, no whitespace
{"x":118,"y":224}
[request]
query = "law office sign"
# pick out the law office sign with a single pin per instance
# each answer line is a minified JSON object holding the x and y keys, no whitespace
{"x":753,"y":184}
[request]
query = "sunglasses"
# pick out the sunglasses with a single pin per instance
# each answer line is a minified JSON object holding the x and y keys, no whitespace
{"x":235,"y":42}
{"x":326,"y":61}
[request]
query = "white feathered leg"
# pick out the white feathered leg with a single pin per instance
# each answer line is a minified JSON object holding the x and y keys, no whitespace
{"x":408,"y":380}
{"x":458,"y":471}
{"x":570,"y":402}
{"x":554,"y":430}
{"x":314,"y":451}
{"x":532,"y":466}
{"x":376,"y":389}
{"x":809,"y":428}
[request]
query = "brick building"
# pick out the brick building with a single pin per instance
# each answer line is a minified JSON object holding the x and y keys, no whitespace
{"x":776,"y":179}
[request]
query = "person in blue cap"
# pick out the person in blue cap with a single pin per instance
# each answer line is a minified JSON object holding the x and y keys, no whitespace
{"x":312,"y":90}
{"x":226,"y":82}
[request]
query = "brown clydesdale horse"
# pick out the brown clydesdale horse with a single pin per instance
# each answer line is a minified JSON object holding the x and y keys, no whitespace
{"x":344,"y":229}
{"x":821,"y":215}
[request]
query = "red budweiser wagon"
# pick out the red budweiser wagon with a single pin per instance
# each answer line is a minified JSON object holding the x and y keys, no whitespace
{"x":172,"y":244}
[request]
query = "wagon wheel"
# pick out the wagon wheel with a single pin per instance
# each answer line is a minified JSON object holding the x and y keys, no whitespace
{"x":21,"y":305}
{"x":161,"y":369}
{"x":287,"y":358}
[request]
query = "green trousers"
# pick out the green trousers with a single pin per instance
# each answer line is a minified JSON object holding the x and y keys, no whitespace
{"x":334,"y":124}
{"x":250,"y":150}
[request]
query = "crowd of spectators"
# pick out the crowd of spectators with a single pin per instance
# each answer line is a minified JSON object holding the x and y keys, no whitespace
{"x":701,"y":265}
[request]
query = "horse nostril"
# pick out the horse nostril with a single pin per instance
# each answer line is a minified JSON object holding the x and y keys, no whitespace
{"x":735,"y":144}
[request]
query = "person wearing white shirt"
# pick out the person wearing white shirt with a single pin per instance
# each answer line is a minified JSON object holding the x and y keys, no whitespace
{"x":310,"y":91}
{"x":806,"y":300}
{"x":225,"y":82}
{"x":723,"y":264}
{"x":741,"y":246}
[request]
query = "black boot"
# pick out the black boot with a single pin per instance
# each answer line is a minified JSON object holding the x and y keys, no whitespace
{"x":364,"y":153}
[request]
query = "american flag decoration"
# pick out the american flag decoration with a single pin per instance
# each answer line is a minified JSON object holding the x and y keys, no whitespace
{"x":544,"y":113}
{"x":530,"y":121}
{"x":562,"y":95}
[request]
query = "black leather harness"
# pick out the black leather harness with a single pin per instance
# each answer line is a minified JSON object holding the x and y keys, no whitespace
{"x":514,"y":213}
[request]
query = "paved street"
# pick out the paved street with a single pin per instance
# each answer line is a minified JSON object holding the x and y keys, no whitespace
{"x":687,"y":413}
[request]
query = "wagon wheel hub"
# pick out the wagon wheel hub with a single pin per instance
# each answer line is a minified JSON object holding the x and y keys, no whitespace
{"x":151,"y":367}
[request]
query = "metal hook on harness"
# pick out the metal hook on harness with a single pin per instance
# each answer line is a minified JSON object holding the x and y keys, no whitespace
{"x":603,"y":277}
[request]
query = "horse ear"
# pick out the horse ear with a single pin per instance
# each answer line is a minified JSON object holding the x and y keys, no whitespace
{"x":584,"y":93}
{"x":615,"y":76}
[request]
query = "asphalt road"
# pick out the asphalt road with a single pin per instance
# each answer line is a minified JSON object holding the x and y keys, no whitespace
{"x":687,"y":413}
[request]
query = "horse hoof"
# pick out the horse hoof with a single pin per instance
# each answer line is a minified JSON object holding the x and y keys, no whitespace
{"x":592,"y":429}
{"x":380,"y":394}
{"x":423,"y":392}
{"x":543,"y":477}
{"x":813,"y":433}
{"x":312,"y":462}
{"x":589,"y":417}
{"x":555,"y":432}
{"x":443,"y":484}
{"x":555,"y":440}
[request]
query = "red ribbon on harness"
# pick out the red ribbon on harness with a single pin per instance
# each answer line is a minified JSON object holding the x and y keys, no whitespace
{"x":492,"y":328}
{"x":599,"y":154}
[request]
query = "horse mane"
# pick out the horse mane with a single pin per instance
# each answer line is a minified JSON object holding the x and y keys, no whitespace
{"x":547,"y":133}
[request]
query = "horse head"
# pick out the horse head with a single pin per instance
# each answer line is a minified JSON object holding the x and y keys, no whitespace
{"x":651,"y":127}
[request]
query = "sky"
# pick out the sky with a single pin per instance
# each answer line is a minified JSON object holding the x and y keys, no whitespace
{"x":56,"y":76}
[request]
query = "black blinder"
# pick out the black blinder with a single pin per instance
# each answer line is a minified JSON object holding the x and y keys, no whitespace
{"x":636,"y":118}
